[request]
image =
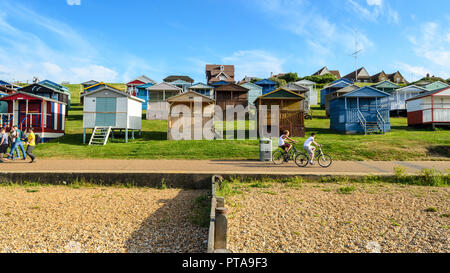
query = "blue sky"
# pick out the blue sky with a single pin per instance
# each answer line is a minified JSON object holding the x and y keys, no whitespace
{"x":117,"y":41}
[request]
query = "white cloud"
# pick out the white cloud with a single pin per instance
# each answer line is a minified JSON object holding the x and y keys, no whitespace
{"x":73,"y":2}
{"x":433,"y":49}
{"x":375,"y":2}
{"x":24,"y":54}
{"x":255,"y":63}
{"x":324,"y":37}
{"x":374,"y":10}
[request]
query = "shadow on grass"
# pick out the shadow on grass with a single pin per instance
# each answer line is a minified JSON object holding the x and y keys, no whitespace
{"x":169,"y":229}
{"x":440,"y":150}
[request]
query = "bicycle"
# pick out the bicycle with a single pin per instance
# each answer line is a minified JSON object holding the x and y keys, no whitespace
{"x":279,"y":157}
{"x":324,"y":160}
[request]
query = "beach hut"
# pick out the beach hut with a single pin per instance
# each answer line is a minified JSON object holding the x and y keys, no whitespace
{"x":219,"y":73}
{"x":386,"y":86}
{"x":47,"y":91}
{"x":9,"y":85}
{"x":172,"y":78}
{"x":336,"y":94}
{"x":107,"y":109}
{"x":332,"y":87}
{"x":437,"y":85}
{"x":231,"y":94}
{"x":142,"y":93}
{"x":254,"y":91}
{"x":398,"y":98}
{"x":311,"y":96}
{"x":59,"y":87}
{"x":132,"y":86}
{"x":203,"y":89}
{"x":3,"y":104}
{"x":45,"y":115}
{"x":181,"y":84}
{"x":198,"y":118}
{"x":267,"y":85}
{"x":88,"y":83}
{"x":291,"y":115}
{"x":364,"y":110}
{"x":430,"y":108}
{"x":219,"y":83}
{"x":158,"y":107}
{"x":7,"y":90}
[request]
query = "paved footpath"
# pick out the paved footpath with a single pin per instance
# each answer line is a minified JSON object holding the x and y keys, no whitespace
{"x":215,"y":167}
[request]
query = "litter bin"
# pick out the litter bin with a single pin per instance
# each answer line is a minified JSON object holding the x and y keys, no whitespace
{"x":265,"y":149}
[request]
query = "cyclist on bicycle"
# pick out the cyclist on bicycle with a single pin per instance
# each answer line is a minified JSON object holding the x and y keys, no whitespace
{"x":311,"y":150}
{"x":283,"y":144}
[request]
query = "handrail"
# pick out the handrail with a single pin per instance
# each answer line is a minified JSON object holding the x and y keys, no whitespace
{"x":380,"y":118}
{"x":362,"y":121}
{"x":6,"y":123}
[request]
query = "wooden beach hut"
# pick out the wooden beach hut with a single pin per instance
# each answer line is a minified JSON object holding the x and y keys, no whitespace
{"x":437,"y":85}
{"x":386,"y":86}
{"x":311,"y":97}
{"x":291,"y":107}
{"x":132,"y":86}
{"x":107,"y":109}
{"x":197,"y":119}
{"x":45,"y":115}
{"x":3,"y":104}
{"x":58,"y":87}
{"x":203,"y":89}
{"x":158,"y":107}
{"x":9,"y":85}
{"x":430,"y":108}
{"x":364,"y":110}
{"x":143,"y":94}
{"x":87,"y":84}
{"x":267,"y":85}
{"x":254,"y":91}
{"x":231,"y":94}
{"x":398,"y":98}
{"x":181,"y":84}
{"x":47,"y":91}
{"x":336,"y":94}
{"x":332,"y":87}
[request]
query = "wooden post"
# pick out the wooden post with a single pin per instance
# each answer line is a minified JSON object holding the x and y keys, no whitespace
{"x":221,"y":226}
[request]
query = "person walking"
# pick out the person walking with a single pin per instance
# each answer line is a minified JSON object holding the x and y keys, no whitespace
{"x":31,"y":143}
{"x":16,"y":136}
{"x":3,"y":143}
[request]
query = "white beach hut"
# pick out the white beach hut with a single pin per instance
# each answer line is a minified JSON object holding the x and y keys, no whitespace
{"x":107,"y":109}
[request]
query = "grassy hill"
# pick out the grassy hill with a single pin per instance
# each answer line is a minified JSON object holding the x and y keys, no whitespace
{"x":403,"y":143}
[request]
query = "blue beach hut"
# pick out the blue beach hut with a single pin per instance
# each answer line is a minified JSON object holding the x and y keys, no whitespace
{"x":267,"y":86}
{"x":254,"y":91}
{"x":142,"y":93}
{"x":365,"y":110}
{"x":331,"y":88}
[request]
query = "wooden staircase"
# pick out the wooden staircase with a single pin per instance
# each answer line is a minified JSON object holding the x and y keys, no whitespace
{"x":373,"y":128}
{"x":100,"y":136}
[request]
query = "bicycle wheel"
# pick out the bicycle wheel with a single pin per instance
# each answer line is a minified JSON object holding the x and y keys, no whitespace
{"x":301,"y":160}
{"x":325,"y":161}
{"x":278,"y":158}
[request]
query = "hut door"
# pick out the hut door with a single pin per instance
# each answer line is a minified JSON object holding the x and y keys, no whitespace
{"x":105,"y":112}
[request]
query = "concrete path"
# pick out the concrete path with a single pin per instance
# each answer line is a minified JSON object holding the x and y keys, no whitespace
{"x":215,"y":167}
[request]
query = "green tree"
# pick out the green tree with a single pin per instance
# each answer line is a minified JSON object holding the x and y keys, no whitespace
{"x":279,"y":81}
{"x":290,"y":77}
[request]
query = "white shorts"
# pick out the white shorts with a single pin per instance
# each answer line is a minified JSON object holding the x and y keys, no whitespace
{"x":309,"y":150}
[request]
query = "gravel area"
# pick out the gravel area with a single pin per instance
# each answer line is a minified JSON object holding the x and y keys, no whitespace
{"x":91,"y":220}
{"x":319,"y":218}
